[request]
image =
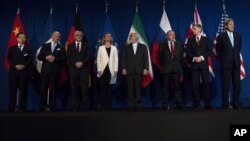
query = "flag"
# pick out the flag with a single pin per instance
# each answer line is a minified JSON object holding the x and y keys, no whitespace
{"x":197,"y":20}
{"x":138,"y":28}
{"x":164,"y":27}
{"x":76,"y":26}
{"x":108,"y":28}
{"x":49,"y":28}
{"x":221,"y":29}
{"x":16,"y":28}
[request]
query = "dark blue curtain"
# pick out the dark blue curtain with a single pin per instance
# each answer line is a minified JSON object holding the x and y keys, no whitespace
{"x":34,"y":15}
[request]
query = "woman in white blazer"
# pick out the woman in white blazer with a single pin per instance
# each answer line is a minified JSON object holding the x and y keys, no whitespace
{"x":107,"y":69}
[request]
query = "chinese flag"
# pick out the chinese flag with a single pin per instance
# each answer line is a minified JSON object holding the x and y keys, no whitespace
{"x":16,"y":28}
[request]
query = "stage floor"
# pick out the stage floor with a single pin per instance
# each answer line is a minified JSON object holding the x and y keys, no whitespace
{"x":122,"y":125}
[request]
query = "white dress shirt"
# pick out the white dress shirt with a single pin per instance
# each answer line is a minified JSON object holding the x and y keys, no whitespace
{"x":135,"y":47}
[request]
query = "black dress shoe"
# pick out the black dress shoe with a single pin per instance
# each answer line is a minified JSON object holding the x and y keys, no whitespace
{"x":227,"y":107}
{"x":21,"y":110}
{"x":84,"y":109}
{"x":131,"y":109}
{"x":178,"y":107}
{"x":76,"y":109}
{"x":138,"y":108}
{"x":166,"y":108}
{"x":237,"y":107}
{"x":209,"y":107}
{"x":10,"y":110}
{"x":47,"y":109}
{"x":196,"y":107}
{"x":52,"y":109}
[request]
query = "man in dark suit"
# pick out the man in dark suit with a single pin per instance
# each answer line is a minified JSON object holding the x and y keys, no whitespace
{"x":19,"y":57}
{"x":228,"y":49}
{"x":170,"y":56}
{"x":52,"y":54}
{"x":198,"y":51}
{"x":78,"y":61}
{"x":134,"y":66}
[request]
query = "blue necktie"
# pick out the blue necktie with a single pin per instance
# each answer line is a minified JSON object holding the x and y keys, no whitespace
{"x":53,"y":46}
{"x":231,"y":38}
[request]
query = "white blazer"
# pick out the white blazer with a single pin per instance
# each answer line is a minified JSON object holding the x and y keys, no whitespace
{"x":112,"y":61}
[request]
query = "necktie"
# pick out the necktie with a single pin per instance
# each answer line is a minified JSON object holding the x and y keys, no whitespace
{"x":20,"y":48}
{"x":231,"y":38}
{"x":197,"y":41}
{"x":78,"y":47}
{"x":172,"y":50}
{"x":53,"y":47}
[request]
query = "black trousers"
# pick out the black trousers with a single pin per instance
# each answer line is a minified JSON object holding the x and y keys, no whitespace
{"x":226,"y":75}
{"x":168,"y":80}
{"x":79,"y":88}
{"x":106,"y":89}
{"x":18,"y":82}
{"x":134,"y":86}
{"x":200,"y":79}
{"x":49,"y":81}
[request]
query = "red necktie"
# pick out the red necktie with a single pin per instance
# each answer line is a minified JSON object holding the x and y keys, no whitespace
{"x":78,"y":47}
{"x":172,"y":50}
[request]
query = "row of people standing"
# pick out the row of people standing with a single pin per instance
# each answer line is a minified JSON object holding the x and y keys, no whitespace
{"x":198,"y":49}
{"x":134,"y":63}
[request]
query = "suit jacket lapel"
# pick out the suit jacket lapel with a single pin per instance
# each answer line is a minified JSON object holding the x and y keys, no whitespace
{"x":49,"y":47}
{"x":131,"y":49}
{"x":137,"y":49}
{"x":57,"y":47}
{"x":194,"y":42}
{"x":105,"y":52}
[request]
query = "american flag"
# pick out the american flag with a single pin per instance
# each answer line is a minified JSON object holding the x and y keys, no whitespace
{"x":221,"y":29}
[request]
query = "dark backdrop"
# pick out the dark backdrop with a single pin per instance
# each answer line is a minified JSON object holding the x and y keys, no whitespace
{"x":92,"y":12}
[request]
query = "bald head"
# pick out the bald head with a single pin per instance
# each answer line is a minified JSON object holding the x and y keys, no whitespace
{"x":55,"y":36}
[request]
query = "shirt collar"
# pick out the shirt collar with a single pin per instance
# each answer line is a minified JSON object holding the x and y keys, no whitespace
{"x":53,"y":43}
{"x":20,"y":45}
{"x":78,"y":43}
{"x":169,"y":42}
{"x":229,"y":32}
{"x":135,"y":44}
{"x":198,"y":36}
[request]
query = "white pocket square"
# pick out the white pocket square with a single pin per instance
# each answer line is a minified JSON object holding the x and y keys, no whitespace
{"x":26,"y":54}
{"x":58,"y":49}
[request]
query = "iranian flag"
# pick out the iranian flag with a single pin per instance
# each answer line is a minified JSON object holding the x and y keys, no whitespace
{"x":138,"y":28}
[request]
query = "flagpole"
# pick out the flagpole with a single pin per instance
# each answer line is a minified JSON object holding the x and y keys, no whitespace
{"x":18,"y":7}
{"x":51,"y":9}
{"x":223,"y":5}
{"x":17,"y":98}
{"x":76,"y":7}
{"x":136,"y":8}
{"x":195,"y":5}
{"x":107,"y":7}
{"x":47,"y":106}
{"x":164,"y":4}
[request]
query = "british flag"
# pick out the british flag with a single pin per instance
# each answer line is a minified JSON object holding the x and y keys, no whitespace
{"x":197,"y":20}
